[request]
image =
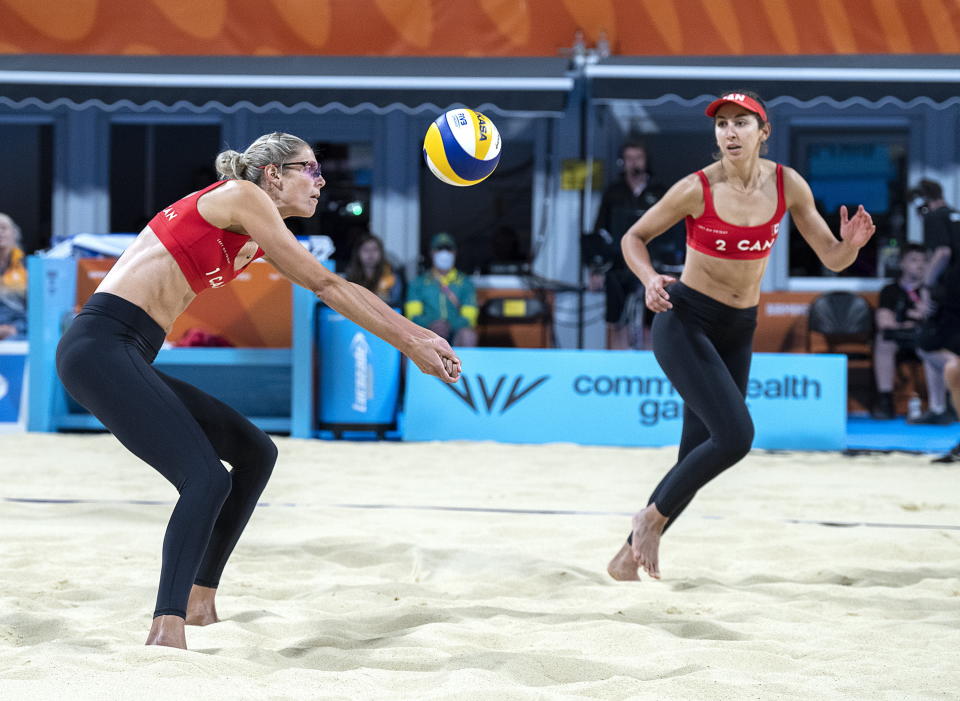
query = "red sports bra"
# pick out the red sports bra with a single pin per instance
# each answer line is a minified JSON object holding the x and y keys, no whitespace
{"x":709,"y":234}
{"x":204,"y":253}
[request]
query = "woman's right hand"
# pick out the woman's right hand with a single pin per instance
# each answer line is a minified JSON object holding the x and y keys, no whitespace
{"x":656,"y":295}
{"x":434,"y":356}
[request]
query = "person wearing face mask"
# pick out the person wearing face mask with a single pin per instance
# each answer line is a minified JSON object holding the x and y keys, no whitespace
{"x":623,"y":202}
{"x":443,"y":299}
{"x":704,"y":323}
{"x":13,"y":282}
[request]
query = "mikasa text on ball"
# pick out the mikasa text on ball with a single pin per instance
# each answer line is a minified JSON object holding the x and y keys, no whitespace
{"x":462,"y":147}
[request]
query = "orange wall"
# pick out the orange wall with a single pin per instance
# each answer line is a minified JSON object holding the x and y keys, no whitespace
{"x":782,"y":321}
{"x":253,"y":311}
{"x":478,"y":27}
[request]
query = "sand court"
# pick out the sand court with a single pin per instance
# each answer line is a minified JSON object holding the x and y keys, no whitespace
{"x":477,"y":571}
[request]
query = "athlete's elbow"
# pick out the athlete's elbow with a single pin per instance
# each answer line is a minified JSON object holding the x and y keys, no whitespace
{"x":632,"y":239}
{"x":838,"y":260}
{"x":838,"y":265}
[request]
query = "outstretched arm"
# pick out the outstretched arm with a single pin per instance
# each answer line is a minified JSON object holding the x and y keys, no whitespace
{"x":251,"y":209}
{"x":854,"y":232}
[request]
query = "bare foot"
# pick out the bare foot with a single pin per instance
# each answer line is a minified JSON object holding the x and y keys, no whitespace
{"x":167,"y":631}
{"x":623,"y":567}
{"x":647,"y":526}
{"x":201,"y":607}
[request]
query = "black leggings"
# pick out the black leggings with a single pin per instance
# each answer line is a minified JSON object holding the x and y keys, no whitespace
{"x":104,"y":360}
{"x":704,"y":347}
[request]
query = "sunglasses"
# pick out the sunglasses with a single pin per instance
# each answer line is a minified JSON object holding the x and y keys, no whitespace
{"x":308,"y":168}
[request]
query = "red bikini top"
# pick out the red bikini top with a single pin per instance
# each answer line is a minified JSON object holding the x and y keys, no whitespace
{"x":204,"y":253}
{"x":709,"y":234}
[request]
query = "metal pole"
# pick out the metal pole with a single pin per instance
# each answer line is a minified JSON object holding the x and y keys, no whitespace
{"x":580,"y":56}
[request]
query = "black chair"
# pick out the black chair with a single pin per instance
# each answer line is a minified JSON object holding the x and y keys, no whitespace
{"x":513,"y":310}
{"x":499,"y":314}
{"x":842,"y":322}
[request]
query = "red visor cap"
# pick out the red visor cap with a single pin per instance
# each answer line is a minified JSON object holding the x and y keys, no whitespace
{"x":737,"y":98}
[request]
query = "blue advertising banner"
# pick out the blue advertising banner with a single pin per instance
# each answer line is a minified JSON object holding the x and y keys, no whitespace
{"x":13,"y":361}
{"x":797,"y":401}
{"x":359,"y":374}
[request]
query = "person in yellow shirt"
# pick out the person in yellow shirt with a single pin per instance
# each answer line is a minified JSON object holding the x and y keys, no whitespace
{"x":13,"y":282}
{"x":443,"y":299}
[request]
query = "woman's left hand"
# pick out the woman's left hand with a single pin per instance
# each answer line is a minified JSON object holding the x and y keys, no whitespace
{"x":434,"y":356}
{"x":858,"y":230}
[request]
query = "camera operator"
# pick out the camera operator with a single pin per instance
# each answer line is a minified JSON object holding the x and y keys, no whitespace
{"x":941,"y":236}
{"x":941,"y":332}
{"x":623,"y":202}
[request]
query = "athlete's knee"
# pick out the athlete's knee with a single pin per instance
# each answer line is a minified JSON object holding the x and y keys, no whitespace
{"x":212,"y":484}
{"x":259,"y":457}
{"x":264,"y":451}
{"x":734,"y":444}
{"x":267,"y":453}
{"x":951,"y":373}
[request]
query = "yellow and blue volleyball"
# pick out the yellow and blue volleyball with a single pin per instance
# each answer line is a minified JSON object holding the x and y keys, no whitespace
{"x":462,"y":147}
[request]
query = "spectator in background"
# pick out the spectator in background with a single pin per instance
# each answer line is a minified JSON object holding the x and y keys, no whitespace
{"x":13,"y":282}
{"x":952,"y":378}
{"x":624,"y":201}
{"x":506,"y":253}
{"x":941,"y":222}
{"x":368,"y":267}
{"x":941,"y":235}
{"x":443,"y":299}
{"x":940,"y":334}
{"x":899,"y":318}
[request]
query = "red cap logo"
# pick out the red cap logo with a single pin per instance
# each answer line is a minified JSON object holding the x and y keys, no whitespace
{"x":737,"y":98}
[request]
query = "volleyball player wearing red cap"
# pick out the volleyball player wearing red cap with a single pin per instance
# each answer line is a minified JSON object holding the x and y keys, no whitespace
{"x":703,"y":331}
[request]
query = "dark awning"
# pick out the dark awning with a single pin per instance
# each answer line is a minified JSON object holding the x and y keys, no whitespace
{"x":504,"y":85}
{"x":872,"y":78}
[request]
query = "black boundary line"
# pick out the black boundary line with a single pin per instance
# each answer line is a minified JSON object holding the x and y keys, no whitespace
{"x":478,"y":509}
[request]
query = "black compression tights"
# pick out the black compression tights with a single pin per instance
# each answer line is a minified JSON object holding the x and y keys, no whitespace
{"x":104,"y":361}
{"x":704,"y":347}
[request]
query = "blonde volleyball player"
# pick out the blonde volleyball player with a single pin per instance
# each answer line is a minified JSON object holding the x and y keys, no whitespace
{"x":104,"y":359}
{"x":703,"y":329}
